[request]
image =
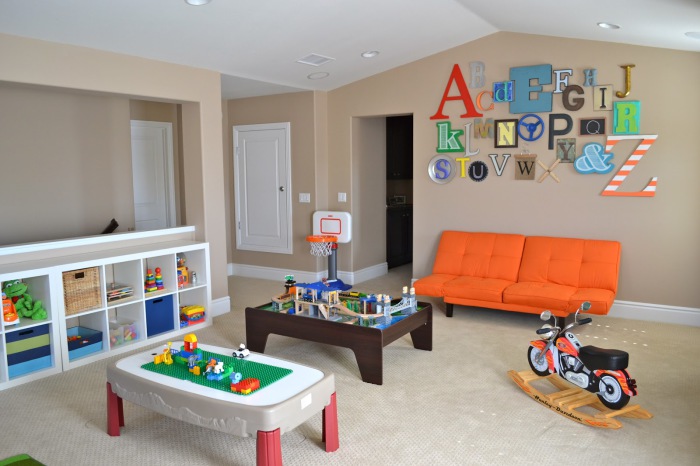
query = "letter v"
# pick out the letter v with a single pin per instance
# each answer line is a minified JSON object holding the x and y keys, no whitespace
{"x":632,"y":161}
{"x":499,"y":169}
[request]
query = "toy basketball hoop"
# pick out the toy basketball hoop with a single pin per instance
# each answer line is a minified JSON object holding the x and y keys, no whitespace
{"x":322,"y":245}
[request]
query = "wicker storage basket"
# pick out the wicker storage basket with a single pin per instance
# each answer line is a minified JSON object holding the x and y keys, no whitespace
{"x":81,"y":290}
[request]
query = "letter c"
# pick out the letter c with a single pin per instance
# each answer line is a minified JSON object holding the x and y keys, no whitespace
{"x":478,"y":101}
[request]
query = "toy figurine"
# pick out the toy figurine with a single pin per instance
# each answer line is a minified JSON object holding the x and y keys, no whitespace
{"x":24,"y":303}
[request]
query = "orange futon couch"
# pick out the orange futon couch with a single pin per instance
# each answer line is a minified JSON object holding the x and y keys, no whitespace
{"x":523,"y":274}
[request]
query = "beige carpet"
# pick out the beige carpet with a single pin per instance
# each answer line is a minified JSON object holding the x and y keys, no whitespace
{"x":454,"y":405}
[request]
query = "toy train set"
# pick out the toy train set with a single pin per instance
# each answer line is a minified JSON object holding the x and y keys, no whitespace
{"x":332,"y":300}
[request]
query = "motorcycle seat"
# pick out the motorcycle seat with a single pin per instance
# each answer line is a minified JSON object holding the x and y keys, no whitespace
{"x":601,"y":358}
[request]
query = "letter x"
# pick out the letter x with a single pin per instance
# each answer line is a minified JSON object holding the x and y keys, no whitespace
{"x":548,"y":171}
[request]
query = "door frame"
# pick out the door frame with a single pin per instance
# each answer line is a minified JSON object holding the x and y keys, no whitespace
{"x":169,"y":164}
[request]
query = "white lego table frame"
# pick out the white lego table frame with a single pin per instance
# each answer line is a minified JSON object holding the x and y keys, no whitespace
{"x":267,"y":413}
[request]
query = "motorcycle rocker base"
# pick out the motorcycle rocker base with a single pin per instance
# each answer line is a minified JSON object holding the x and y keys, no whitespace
{"x":569,"y":398}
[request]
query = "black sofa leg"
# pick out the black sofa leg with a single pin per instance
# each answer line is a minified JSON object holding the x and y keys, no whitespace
{"x":449,"y":308}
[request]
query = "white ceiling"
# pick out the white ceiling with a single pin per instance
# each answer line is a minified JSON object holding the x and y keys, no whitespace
{"x":255,"y":43}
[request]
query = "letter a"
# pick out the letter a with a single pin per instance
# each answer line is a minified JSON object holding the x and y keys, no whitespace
{"x":457,"y":78}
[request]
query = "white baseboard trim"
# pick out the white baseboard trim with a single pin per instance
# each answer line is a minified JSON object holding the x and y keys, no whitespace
{"x":271,"y":273}
{"x":220,"y":306}
{"x":656,"y":313}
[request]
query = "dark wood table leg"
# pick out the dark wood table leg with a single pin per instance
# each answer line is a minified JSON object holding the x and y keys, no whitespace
{"x":255,"y":334}
{"x":422,"y":337}
{"x":370,"y":360}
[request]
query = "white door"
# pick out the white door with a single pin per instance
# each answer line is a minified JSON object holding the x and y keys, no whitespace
{"x":263,"y":186}
{"x":152,"y":167}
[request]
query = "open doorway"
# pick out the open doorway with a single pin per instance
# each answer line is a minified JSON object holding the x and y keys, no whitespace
{"x":399,"y":190}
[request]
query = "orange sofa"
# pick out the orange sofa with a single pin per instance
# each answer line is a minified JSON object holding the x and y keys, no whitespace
{"x":523,"y":274}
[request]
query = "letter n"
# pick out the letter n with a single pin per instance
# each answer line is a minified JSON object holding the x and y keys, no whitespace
{"x":457,"y":78}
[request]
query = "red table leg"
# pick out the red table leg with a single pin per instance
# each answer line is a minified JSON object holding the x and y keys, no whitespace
{"x":269,"y":448}
{"x":115,"y":412}
{"x":330,"y":425}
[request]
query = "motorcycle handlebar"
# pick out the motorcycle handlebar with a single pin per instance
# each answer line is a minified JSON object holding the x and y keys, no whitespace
{"x":542,"y":331}
{"x":585,"y":321}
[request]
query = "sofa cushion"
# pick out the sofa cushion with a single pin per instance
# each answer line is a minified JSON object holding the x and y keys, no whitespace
{"x":482,"y":289}
{"x":432,"y":285}
{"x":539,"y":295}
{"x":572,"y":262}
{"x":485,"y":255}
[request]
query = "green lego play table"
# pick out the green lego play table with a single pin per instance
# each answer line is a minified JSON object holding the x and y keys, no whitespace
{"x":267,"y":413}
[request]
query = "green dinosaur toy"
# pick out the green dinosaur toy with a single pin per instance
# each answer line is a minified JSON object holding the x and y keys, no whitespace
{"x":23,"y":301}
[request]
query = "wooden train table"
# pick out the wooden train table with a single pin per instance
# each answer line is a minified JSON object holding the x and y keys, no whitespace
{"x":288,"y":396}
{"x":366,"y":342}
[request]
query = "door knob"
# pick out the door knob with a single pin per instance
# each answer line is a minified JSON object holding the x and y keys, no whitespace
{"x":282,"y":188}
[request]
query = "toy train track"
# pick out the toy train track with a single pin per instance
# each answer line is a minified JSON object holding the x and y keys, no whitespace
{"x":569,"y":399}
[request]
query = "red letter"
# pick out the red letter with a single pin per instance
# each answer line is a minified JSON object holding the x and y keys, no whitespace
{"x":457,"y":78}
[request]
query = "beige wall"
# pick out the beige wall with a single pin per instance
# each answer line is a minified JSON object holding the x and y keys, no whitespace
{"x":659,"y":235}
{"x":198,"y":91}
{"x":299,"y":109}
{"x":66,"y":164}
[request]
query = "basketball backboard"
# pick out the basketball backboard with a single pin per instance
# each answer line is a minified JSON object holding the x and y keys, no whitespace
{"x":333,"y":223}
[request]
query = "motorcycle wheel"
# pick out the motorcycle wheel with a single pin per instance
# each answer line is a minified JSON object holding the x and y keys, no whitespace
{"x":540,"y":368}
{"x":610,"y":393}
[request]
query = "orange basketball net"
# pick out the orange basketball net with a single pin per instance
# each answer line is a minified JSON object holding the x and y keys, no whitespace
{"x":321,"y":245}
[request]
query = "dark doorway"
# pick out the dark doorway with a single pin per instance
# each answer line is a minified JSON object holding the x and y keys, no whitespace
{"x":399,"y":190}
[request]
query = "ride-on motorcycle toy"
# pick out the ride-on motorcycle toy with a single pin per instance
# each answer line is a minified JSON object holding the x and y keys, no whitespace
{"x":603,"y":372}
{"x":600,"y":371}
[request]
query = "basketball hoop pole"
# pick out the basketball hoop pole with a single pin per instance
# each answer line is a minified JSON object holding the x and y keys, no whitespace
{"x":333,"y":263}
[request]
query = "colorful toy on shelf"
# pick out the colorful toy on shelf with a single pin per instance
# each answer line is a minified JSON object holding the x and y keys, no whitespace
{"x":24,"y":303}
{"x":150,"y":284}
{"x":190,"y":315}
{"x":183,"y":274}
{"x":159,"y":279}
{"x":117,"y":291}
{"x":9,"y":315}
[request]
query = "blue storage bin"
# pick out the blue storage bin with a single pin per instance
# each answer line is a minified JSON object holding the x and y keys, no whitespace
{"x":28,"y":350}
{"x":24,"y":333}
{"x":26,"y":367}
{"x":90,"y":341}
{"x":160,"y":315}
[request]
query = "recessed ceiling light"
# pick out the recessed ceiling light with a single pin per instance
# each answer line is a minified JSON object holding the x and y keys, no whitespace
{"x":608,"y":25}
{"x":693,"y":35}
{"x":320,"y":75}
{"x":370,"y":54}
{"x":197,"y":2}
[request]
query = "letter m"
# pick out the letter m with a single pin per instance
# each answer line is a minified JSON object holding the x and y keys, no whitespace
{"x":483,"y":130}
